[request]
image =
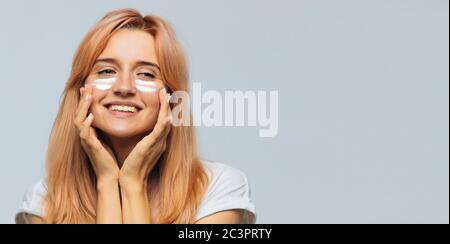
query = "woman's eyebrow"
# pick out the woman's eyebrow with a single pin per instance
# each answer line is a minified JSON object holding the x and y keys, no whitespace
{"x":144,"y":63}
{"x":138,"y":63}
{"x":107,"y":60}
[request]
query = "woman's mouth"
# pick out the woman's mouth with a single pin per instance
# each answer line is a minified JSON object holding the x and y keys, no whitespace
{"x":122,"y":111}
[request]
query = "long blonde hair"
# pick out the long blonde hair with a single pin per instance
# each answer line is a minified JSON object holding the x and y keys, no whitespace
{"x":178,"y":183}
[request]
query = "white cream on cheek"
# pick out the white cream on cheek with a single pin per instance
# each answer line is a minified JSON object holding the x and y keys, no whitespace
{"x":145,"y":86}
{"x":141,"y":85}
{"x":104,"y":84}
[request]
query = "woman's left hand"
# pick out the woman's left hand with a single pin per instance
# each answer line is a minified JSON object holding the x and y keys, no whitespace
{"x":147,"y":152}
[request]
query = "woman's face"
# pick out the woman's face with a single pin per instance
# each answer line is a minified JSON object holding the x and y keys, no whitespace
{"x":126,"y":80}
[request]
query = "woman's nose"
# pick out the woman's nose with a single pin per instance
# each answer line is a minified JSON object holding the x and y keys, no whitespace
{"x":124,"y":86}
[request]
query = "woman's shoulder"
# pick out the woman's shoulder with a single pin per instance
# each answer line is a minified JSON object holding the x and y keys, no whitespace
{"x":33,"y":198}
{"x":228,"y":189}
{"x":223,"y":176}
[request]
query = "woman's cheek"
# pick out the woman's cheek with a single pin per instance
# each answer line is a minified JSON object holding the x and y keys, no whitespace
{"x":152,"y":106}
{"x":151,"y":99}
{"x":96,"y":107}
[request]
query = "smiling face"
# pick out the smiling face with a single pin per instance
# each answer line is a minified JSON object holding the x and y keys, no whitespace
{"x":126,"y":80}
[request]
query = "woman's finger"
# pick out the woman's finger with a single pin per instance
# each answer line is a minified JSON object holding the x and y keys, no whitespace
{"x":165,"y":115}
{"x":81,"y":100}
{"x":84,"y":127}
{"x":162,"y":126}
{"x":83,"y":107}
{"x":88,"y":135}
{"x":164,"y":104}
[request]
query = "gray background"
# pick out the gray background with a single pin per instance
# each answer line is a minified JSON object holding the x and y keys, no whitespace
{"x":363,"y":99}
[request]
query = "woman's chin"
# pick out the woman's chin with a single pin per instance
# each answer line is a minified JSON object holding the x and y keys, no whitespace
{"x":120,"y":132}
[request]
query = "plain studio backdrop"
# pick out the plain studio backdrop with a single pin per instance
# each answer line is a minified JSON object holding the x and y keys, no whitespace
{"x":363,"y":99}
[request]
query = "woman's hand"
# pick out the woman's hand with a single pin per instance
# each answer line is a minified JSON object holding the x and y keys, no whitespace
{"x":146,"y":153}
{"x":142,"y":159}
{"x":102,"y":159}
{"x":100,"y":155}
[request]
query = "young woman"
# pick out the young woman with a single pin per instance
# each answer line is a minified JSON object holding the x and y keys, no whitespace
{"x":114,"y":155}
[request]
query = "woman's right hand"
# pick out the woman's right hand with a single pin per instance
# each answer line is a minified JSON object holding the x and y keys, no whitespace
{"x":103,"y":161}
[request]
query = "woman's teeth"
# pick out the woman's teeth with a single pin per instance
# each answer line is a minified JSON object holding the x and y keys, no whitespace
{"x":123,"y":108}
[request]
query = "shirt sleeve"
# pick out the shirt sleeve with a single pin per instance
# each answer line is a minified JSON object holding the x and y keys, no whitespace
{"x":32,"y":201}
{"x":228,"y":189}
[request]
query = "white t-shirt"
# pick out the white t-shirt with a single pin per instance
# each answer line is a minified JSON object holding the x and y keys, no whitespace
{"x":228,"y":189}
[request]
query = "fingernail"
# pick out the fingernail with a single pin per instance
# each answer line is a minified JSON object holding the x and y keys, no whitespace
{"x":168,"y":97}
{"x":87,"y":96}
{"x":90,"y":116}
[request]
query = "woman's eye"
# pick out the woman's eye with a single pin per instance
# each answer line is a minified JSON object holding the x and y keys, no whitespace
{"x":147,"y":75}
{"x":106,"y":72}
